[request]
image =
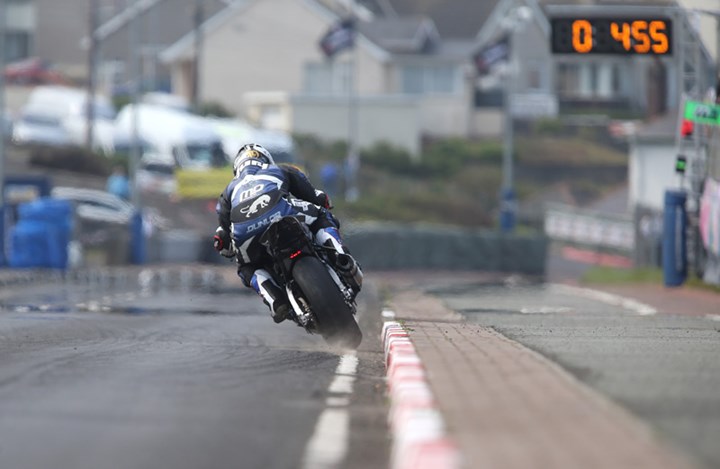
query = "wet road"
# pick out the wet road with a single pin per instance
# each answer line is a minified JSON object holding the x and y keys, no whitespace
{"x":173,"y":371}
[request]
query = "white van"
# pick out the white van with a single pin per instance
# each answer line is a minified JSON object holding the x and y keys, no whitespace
{"x":58,"y":115}
{"x":174,"y":136}
{"x":280,"y":144}
{"x":235,"y":133}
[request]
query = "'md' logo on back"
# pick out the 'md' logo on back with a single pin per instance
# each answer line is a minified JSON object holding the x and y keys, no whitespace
{"x":253,"y":154}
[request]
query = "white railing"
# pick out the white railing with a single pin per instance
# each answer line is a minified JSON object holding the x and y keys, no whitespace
{"x":589,"y":228}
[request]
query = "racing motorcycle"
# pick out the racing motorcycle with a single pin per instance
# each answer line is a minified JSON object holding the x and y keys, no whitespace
{"x":321,"y":283}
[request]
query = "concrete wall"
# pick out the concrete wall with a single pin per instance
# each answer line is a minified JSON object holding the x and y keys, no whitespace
{"x":383,"y":247}
{"x":400,"y":248}
{"x":444,"y":115}
{"x":395,"y":120}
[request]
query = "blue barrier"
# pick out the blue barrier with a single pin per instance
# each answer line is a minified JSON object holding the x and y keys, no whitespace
{"x":42,"y":234}
{"x":138,"y":254}
{"x":3,"y":243}
{"x":674,"y":246}
{"x":17,"y":189}
{"x":508,"y":210}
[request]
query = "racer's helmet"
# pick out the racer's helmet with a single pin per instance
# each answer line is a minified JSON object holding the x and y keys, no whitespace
{"x":250,"y":159}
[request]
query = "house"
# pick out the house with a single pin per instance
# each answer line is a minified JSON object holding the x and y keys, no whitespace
{"x":412,"y":67}
{"x":261,"y":59}
{"x":57,"y":31}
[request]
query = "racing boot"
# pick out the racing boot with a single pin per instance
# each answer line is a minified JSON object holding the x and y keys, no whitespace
{"x":345,"y":263}
{"x":272,"y":295}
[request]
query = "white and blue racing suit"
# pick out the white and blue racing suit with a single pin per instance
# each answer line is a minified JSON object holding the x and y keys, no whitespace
{"x":251,"y":202}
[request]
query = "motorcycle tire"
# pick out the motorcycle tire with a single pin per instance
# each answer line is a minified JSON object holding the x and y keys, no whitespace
{"x":334,"y":318}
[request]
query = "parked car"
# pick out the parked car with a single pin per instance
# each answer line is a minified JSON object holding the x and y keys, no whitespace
{"x":96,"y":205}
{"x":36,"y":127}
{"x":101,"y":206}
{"x":156,"y":175}
{"x":33,"y":71}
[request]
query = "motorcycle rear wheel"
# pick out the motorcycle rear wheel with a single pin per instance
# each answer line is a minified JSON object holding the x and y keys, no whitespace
{"x":334,"y":318}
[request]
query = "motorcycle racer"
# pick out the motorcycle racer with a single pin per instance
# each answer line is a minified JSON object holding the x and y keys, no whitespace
{"x":260,"y":193}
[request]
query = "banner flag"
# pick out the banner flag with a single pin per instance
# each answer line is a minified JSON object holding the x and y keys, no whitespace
{"x":339,"y":37}
{"x":492,"y":56}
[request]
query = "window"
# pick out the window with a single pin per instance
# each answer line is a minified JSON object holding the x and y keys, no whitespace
{"x":589,"y":80}
{"x":568,"y":79}
{"x":17,"y":46}
{"x":535,"y":76}
{"x":426,"y":79}
{"x":327,"y":78}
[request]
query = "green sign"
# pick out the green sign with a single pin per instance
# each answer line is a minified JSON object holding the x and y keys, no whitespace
{"x":702,"y":113}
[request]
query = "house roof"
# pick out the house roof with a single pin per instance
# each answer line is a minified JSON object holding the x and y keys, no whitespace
{"x":454,"y":19}
{"x":183,"y":46}
{"x":401,"y":35}
{"x":161,"y":22}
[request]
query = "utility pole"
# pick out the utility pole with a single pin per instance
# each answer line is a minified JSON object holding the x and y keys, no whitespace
{"x":92,"y":74}
{"x":137,"y":244}
{"x":3,"y":15}
{"x":352,"y":165}
{"x":198,"y":20}
{"x":507,"y":193}
{"x":135,"y":77}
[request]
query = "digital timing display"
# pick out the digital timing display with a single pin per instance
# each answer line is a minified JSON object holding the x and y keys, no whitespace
{"x":644,"y":36}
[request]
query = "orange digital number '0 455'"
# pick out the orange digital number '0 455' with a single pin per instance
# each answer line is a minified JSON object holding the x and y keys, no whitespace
{"x":612,"y":35}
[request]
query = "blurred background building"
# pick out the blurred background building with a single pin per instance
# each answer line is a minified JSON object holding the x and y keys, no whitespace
{"x":413,"y":64}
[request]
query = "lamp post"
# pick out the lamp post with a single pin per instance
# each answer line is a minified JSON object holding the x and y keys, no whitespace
{"x":508,"y":201}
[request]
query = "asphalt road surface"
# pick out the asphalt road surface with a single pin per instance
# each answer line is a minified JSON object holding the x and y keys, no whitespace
{"x":178,"y":371}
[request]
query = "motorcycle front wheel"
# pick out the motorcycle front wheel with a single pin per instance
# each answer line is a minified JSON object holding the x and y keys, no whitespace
{"x":335,"y":320}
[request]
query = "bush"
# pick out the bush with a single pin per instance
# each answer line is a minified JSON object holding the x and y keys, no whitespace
{"x":70,"y":158}
{"x":387,"y":157}
{"x":548,"y":126}
{"x":449,"y":156}
{"x":213,"y":108}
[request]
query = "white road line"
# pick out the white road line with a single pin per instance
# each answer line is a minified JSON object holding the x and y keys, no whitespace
{"x":632,"y":305}
{"x":388,"y":314}
{"x":328,"y":446}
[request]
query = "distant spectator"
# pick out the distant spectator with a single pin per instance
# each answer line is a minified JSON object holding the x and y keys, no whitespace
{"x":118,"y":183}
{"x":329,"y":176}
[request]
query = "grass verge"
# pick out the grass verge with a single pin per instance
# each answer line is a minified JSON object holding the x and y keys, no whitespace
{"x":612,"y":276}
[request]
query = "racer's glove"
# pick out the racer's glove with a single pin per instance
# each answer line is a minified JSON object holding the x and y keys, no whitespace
{"x":222,"y":243}
{"x":328,"y":203}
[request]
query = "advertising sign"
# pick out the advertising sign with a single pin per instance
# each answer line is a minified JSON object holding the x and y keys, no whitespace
{"x":702,"y":113}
